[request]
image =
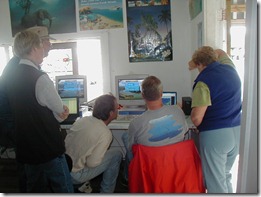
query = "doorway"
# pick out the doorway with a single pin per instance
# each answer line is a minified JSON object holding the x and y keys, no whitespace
{"x":236,"y":32}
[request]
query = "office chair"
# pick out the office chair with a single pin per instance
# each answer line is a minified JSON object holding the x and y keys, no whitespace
{"x":174,"y":168}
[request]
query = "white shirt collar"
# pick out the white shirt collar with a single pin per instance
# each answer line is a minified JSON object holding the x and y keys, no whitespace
{"x":28,"y":62}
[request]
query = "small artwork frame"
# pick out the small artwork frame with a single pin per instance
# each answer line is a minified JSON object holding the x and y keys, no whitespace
{"x":100,"y":14}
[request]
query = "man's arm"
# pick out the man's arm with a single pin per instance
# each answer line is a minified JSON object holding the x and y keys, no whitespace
{"x":47,"y":96}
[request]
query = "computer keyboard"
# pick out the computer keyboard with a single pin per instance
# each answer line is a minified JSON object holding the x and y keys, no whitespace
{"x":125,"y":118}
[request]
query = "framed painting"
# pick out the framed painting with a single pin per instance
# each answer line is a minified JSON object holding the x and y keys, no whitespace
{"x":58,"y":15}
{"x":100,"y":14}
{"x":149,"y":30}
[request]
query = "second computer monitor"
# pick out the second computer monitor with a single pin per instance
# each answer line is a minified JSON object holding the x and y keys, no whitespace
{"x":128,"y":90}
{"x":69,"y":86}
{"x":169,"y":98}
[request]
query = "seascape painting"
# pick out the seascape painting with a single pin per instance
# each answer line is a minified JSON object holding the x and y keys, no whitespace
{"x":100,"y":14}
{"x":149,"y":30}
{"x":58,"y":15}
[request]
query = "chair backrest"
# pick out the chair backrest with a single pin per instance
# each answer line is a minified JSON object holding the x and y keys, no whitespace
{"x":172,"y":168}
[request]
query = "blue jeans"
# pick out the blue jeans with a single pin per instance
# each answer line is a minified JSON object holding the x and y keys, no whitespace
{"x":129,"y":154}
{"x":52,"y":175}
{"x":109,"y":166}
{"x":218,"y":150}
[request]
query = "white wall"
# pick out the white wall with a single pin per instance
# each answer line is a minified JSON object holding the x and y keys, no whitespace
{"x":248,"y":160}
{"x":174,"y":74}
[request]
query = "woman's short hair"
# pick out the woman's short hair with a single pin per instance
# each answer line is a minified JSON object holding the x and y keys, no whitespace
{"x":204,"y":55}
{"x":103,"y":106}
{"x":24,"y":42}
{"x":152,"y":88}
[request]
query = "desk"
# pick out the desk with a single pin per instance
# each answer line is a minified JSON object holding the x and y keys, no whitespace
{"x":119,"y":127}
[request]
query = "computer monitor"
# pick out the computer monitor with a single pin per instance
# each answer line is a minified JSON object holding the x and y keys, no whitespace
{"x":128,"y":90}
{"x":169,"y":98}
{"x":69,"y":86}
{"x":72,"y":104}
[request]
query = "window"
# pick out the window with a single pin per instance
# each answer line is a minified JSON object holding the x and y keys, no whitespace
{"x":2,"y":59}
{"x":84,"y":57}
{"x":90,"y":64}
{"x":61,"y":60}
{"x":88,"y":56}
{"x":6,"y":53}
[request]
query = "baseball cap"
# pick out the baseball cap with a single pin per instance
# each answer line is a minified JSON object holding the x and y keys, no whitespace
{"x":42,"y":31}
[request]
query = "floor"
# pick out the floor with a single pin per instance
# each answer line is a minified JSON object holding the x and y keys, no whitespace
{"x":9,"y":181}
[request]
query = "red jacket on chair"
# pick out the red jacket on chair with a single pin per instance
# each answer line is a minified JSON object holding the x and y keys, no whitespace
{"x":174,"y":168}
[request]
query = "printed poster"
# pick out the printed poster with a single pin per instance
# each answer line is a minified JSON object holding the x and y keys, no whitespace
{"x":100,"y":14}
{"x":149,"y":30}
{"x":58,"y":15}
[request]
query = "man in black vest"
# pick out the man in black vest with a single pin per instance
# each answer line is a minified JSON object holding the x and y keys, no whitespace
{"x":37,"y":110}
{"x":7,"y":128}
{"x":7,"y":136}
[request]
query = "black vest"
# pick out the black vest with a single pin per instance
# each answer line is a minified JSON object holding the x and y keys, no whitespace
{"x":37,"y":131}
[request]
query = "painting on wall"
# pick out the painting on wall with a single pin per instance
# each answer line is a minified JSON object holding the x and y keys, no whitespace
{"x":100,"y":14}
{"x":195,"y":7}
{"x":149,"y":30}
{"x":58,"y":15}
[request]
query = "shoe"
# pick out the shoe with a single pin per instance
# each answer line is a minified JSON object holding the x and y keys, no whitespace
{"x":85,"y":188}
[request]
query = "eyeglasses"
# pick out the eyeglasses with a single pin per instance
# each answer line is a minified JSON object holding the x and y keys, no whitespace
{"x":119,"y":106}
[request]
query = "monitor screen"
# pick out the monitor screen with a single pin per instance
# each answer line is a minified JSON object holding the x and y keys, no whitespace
{"x":128,"y":89}
{"x":169,"y":98}
{"x":72,"y":104}
{"x":72,"y":86}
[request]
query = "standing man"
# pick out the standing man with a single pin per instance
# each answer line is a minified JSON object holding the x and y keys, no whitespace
{"x":216,"y":112}
{"x":37,"y":110}
{"x":6,"y":116}
{"x":6,"y":119}
{"x":88,"y":144}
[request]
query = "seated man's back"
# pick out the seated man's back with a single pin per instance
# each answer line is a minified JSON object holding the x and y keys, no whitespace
{"x":88,"y":144}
